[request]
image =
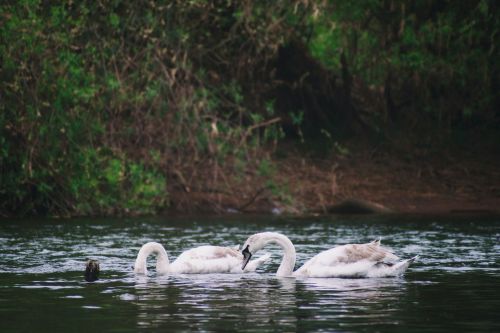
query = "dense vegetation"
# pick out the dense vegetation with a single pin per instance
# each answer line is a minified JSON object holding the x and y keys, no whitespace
{"x":107,"y":107}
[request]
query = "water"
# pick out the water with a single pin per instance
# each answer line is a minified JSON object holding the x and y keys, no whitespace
{"x":453,"y":287}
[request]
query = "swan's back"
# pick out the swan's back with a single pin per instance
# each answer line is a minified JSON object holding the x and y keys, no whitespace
{"x":207,"y":259}
{"x":208,"y":252}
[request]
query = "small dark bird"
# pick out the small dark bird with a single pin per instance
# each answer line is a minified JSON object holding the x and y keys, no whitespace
{"x":91,"y":270}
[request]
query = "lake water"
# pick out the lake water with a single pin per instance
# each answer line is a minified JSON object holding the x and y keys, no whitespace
{"x":455,"y":285}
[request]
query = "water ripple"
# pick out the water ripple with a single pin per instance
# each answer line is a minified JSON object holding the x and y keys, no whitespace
{"x":42,"y":263}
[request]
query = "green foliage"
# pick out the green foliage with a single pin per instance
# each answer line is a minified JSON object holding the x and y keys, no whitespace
{"x":121,"y":186}
{"x":105,"y":107}
{"x":103,"y":102}
{"x":433,"y":55}
{"x":55,"y":114}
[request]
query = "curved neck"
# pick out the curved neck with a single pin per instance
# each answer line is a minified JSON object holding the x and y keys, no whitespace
{"x":162,"y":262}
{"x":288,"y":261}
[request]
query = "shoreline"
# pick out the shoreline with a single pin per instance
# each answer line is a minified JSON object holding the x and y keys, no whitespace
{"x":364,"y":181}
{"x":454,"y":182}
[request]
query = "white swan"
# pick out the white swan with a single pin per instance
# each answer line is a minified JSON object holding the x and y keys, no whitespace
{"x":203,"y":259}
{"x":346,"y":261}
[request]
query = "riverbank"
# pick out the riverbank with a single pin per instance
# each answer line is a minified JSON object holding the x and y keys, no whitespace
{"x":387,"y":180}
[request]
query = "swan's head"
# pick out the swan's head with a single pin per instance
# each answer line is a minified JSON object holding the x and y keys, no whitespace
{"x":253,"y":244}
{"x":256,"y":242}
{"x":246,"y":256}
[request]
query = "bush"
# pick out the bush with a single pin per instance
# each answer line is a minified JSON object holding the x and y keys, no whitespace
{"x":107,"y":105}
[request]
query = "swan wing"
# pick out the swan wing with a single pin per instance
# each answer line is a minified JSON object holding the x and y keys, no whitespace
{"x":201,"y":266}
{"x":372,"y":252}
{"x":351,"y":253}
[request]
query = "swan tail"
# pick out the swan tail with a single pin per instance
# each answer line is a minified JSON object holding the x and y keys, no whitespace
{"x":253,"y":264}
{"x":413,"y":258}
{"x":401,"y":267}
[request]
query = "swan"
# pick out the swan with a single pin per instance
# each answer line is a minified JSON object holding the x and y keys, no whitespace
{"x":202,"y":259}
{"x":345,"y":261}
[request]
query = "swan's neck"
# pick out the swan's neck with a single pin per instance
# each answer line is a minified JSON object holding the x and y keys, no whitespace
{"x":288,"y":261}
{"x":162,"y":262}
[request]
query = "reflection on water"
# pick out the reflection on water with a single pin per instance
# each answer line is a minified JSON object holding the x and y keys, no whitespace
{"x":195,"y":301}
{"x":454,"y":286}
